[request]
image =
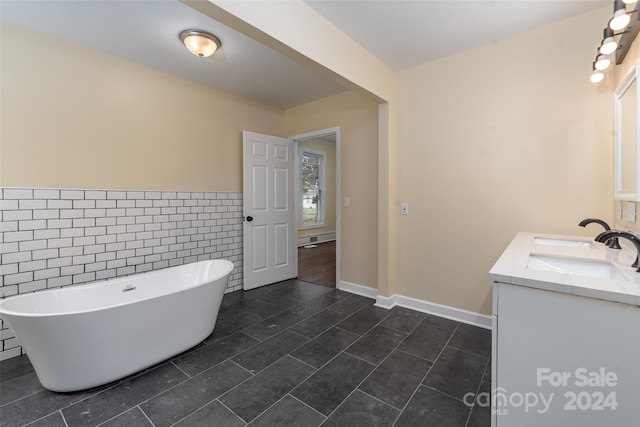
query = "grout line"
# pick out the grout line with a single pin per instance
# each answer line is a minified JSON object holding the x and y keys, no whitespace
{"x":375,"y":365}
{"x":361,"y":359}
{"x":341,"y":403}
{"x":361,"y":382}
{"x":230,"y":410}
{"x":302,"y":361}
{"x":304,"y":336}
{"x":261,"y":342}
{"x":122,"y":413}
{"x":469,"y":352}
{"x":271,"y":406}
{"x":478,"y":390}
{"x":189,"y":414}
{"x":171,"y":362}
{"x":145,"y":415}
{"x":308,"y":406}
{"x":307,"y":340}
{"x":444,"y":394}
{"x":23,"y":397}
{"x":244,"y":369}
{"x":425,"y":375}
{"x":379,"y":400}
{"x":325,"y":364}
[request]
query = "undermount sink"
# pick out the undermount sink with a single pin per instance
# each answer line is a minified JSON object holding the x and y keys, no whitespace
{"x":550,"y":241}
{"x":575,"y":266}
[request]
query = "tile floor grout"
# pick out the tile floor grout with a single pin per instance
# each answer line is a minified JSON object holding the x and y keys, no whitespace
{"x":427,"y":373}
{"x":357,"y":311}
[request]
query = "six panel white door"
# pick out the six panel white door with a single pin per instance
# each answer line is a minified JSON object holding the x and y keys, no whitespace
{"x":269,"y":218}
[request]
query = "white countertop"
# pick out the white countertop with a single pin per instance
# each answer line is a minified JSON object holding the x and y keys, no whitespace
{"x":512,"y":268}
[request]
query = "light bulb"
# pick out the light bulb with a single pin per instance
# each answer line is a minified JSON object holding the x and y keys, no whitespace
{"x":608,"y":46}
{"x":200,"y":46}
{"x":620,"y":20}
{"x":602,"y":62}
{"x":596,"y":76}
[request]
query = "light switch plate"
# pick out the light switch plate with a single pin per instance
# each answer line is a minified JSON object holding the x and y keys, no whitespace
{"x":347,"y":202}
{"x":619,"y":210}
{"x":631,"y":211}
{"x":404,"y":208}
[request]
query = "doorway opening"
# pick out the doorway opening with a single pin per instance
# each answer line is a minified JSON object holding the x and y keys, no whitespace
{"x":317,"y":263}
{"x":318,"y":196}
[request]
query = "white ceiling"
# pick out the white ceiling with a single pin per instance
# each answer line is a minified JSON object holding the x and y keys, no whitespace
{"x":146,"y":32}
{"x":405,"y":33}
{"x":401,"y":33}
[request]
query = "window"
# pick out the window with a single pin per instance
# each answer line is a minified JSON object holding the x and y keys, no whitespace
{"x":312,"y":197}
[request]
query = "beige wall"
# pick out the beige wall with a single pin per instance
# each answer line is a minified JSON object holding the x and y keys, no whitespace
{"x":329,"y":189}
{"x":357,"y":119}
{"x":511,"y":136}
{"x":299,"y":32}
{"x":507,"y":137}
{"x":75,"y":117}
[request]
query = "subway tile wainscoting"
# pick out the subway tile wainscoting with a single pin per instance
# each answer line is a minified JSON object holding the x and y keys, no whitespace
{"x":287,"y":354}
{"x":51,"y":238}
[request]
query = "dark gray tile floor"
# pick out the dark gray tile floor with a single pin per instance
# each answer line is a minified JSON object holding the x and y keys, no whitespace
{"x":288,"y":354}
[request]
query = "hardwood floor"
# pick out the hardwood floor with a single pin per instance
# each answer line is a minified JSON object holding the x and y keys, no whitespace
{"x":318,"y":265}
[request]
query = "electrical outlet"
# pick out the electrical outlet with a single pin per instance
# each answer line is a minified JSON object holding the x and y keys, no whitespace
{"x":347,"y":202}
{"x":404,"y":208}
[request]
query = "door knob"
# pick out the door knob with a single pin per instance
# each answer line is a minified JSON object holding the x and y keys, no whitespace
{"x":249,"y":218}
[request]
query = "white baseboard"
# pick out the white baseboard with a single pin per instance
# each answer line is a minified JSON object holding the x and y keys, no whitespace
{"x":453,"y":313}
{"x":320,"y":238}
{"x":385,"y":302}
{"x":364,"y":291}
{"x":457,"y":314}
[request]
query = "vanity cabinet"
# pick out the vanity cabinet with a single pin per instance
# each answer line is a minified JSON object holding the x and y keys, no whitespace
{"x":563,"y":360}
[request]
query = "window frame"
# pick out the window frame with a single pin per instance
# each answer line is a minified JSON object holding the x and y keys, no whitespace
{"x":322,"y":182}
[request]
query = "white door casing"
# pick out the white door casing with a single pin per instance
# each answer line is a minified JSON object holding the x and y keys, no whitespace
{"x":336,"y":133}
{"x":269,"y":226}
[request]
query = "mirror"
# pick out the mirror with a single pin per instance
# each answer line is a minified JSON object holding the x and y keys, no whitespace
{"x":626,"y":180}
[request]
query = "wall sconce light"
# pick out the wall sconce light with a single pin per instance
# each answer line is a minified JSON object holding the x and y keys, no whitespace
{"x":620,"y":32}
{"x":200,"y":43}
{"x":620,"y":18}
{"x":597,"y":75}
{"x":602,"y":62}
{"x":609,"y":44}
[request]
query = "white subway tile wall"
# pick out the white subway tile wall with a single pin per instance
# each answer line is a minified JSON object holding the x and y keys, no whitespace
{"x":50,"y":238}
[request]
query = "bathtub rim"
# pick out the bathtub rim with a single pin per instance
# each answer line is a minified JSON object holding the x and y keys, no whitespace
{"x":3,"y":311}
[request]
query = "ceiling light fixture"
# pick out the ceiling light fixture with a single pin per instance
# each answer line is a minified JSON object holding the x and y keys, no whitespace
{"x":629,"y":1}
{"x":200,"y":43}
{"x":620,"y":18}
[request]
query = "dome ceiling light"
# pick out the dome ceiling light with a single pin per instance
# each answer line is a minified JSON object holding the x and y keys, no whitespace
{"x":200,"y":43}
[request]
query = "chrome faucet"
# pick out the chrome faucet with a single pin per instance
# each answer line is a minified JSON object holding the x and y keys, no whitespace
{"x":612,"y":243}
{"x":610,"y":234}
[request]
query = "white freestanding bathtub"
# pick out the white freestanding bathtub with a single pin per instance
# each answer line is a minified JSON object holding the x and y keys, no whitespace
{"x":84,"y":336}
